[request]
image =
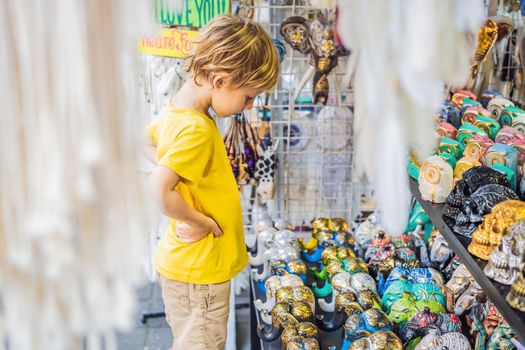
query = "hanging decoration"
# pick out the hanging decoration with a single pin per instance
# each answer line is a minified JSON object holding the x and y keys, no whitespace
{"x":334,"y":132}
{"x":267,"y":163}
{"x":323,"y":4}
{"x":71,"y":228}
{"x":316,"y":39}
{"x":399,"y":71}
{"x":487,"y":36}
{"x":241,"y":142}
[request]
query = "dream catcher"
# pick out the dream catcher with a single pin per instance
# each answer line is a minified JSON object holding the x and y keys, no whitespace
{"x":316,"y":39}
{"x":241,"y":142}
{"x":301,"y":184}
{"x":333,"y":137}
{"x":397,"y":50}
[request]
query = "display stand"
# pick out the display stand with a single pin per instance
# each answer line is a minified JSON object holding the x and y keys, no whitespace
{"x":327,"y":339}
{"x":495,"y":291}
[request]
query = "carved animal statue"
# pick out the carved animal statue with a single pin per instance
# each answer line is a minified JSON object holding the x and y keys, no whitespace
{"x":265,"y":172}
{"x":272,"y":285}
{"x":423,"y":323}
{"x":447,"y":341}
{"x":293,"y":305}
{"x":501,"y":338}
{"x":472,"y":296}
{"x":440,"y":252}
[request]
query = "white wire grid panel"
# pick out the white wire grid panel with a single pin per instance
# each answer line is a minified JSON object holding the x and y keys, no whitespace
{"x":315,"y":174}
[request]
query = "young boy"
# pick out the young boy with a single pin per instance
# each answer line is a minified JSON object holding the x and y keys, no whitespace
{"x":234,"y":60}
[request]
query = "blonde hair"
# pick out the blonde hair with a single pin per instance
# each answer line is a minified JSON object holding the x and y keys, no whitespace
{"x":237,"y":48}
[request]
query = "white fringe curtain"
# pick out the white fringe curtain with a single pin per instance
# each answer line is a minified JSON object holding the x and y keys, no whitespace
{"x":71,"y":227}
{"x":404,"y":52}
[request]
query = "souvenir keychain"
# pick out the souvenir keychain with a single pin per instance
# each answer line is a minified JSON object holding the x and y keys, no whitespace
{"x":267,"y":162}
{"x":241,"y":142}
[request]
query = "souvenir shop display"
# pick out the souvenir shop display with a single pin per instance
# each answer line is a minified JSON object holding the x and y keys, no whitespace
{"x":484,"y":212}
{"x":420,"y":105}
{"x":407,"y":305}
{"x":409,"y":275}
{"x":358,"y":272}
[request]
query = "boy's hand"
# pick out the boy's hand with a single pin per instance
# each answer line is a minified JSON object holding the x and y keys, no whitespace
{"x":190,"y":233}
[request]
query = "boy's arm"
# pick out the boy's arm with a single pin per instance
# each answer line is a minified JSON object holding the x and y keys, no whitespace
{"x":194,"y":225}
{"x":149,"y":149}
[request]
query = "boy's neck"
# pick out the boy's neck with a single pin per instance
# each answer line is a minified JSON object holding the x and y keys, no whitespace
{"x":192,"y":96}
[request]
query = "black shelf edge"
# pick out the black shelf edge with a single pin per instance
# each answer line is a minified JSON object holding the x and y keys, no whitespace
{"x":496,"y":292}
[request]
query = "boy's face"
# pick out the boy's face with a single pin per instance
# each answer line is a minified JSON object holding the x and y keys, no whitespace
{"x":226,"y":102}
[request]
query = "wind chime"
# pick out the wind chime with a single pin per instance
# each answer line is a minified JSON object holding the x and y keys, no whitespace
{"x":72,"y":204}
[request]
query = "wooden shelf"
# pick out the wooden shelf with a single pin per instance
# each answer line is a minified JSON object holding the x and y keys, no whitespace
{"x":495,"y":291}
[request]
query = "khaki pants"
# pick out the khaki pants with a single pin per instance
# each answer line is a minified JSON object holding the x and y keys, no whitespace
{"x":196,"y":313}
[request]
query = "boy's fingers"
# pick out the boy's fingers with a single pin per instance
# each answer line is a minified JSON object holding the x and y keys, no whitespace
{"x":217,"y":231}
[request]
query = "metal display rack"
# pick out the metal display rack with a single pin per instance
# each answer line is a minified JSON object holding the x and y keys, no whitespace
{"x":495,"y":291}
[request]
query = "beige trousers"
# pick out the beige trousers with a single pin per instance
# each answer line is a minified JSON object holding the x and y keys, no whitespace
{"x":196,"y":313}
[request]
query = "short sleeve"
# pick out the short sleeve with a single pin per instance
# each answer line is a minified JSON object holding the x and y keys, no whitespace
{"x":151,"y":129}
{"x":189,"y":154}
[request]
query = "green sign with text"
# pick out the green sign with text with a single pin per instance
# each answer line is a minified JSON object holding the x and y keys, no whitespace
{"x":194,"y":13}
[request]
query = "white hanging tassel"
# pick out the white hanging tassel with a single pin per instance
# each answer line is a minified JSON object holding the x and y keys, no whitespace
{"x":323,"y":4}
{"x":71,"y":227}
{"x":403,"y":52}
{"x":172,"y":5}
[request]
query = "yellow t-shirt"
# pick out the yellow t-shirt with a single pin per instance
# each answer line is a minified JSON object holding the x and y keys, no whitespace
{"x":189,"y":143}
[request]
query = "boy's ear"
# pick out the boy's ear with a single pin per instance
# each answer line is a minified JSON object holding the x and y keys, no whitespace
{"x":218,"y":82}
